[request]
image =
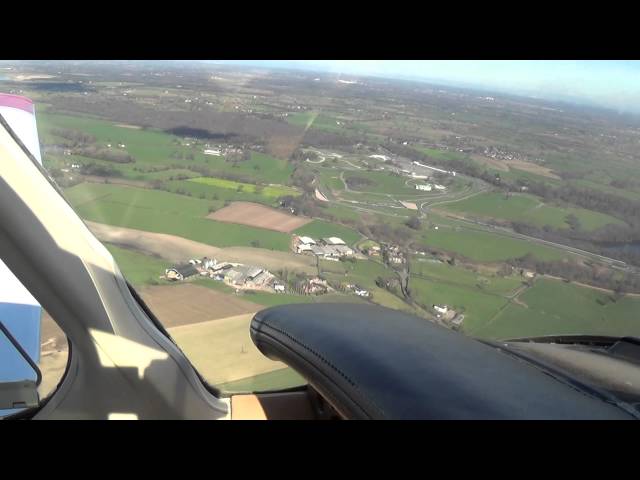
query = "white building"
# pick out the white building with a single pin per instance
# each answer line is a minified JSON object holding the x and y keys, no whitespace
{"x":361,"y":292}
{"x":303,"y":248}
{"x":306,"y":240}
{"x":440,"y":187}
{"x":304,"y":244}
{"x":333,"y":241}
{"x":427,"y":188}
{"x":420,"y":177}
{"x":208,"y":263}
{"x":443,"y":310}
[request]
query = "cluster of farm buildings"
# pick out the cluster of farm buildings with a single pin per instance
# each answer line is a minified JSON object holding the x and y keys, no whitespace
{"x":236,"y":275}
{"x":330,"y":248}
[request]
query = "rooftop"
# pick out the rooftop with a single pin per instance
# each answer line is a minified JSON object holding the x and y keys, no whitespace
{"x":186,"y":270}
{"x":307,"y":240}
{"x":334,"y":241}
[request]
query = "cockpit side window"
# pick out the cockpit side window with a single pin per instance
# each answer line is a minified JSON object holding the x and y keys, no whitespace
{"x":33,"y":350}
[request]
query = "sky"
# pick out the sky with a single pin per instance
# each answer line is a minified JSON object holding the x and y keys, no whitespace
{"x":611,"y":84}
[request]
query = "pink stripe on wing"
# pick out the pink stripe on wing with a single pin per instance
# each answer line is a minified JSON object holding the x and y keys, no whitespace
{"x":16,"y":101}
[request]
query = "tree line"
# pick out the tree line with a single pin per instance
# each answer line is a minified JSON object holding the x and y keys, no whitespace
{"x":106,"y":154}
{"x":74,"y":136}
{"x":590,"y":274}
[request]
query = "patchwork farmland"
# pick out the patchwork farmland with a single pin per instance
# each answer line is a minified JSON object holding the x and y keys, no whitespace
{"x":184,"y":165}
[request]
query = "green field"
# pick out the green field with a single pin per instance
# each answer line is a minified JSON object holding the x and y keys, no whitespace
{"x":513,"y":175}
{"x":476,"y":304}
{"x":267,"y":191}
{"x":155,"y":148}
{"x":85,"y":194}
{"x":276,"y":380}
{"x":631,"y":195}
{"x":146,"y":146}
{"x":381,"y":182}
{"x":486,"y":246}
{"x":314,"y":120}
{"x":528,"y":209}
{"x":138,"y":269}
{"x":364,"y":273}
{"x":441,"y":154}
{"x":556,"y":308}
{"x":261,"y":168}
{"x":320,"y":229}
{"x":341,"y":212}
{"x":443,"y":272}
{"x":368,"y":244}
{"x":166,"y":174}
{"x":272,"y":299}
{"x":216,"y":194}
{"x":163,"y":212}
{"x":331,"y":178}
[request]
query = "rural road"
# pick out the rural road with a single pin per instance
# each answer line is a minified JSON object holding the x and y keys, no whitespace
{"x":479,"y":187}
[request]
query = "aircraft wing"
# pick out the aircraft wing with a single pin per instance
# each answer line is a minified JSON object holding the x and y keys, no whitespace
{"x":20,"y":313}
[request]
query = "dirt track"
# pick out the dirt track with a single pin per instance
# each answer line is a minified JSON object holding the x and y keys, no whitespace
{"x":169,"y":247}
{"x":179,"y":249}
{"x":256,"y":215}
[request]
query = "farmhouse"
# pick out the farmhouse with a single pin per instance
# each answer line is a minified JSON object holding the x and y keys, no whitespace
{"x":527,"y":273}
{"x":208,"y":263}
{"x":341,"y":250}
{"x":307,"y":240}
{"x":180,"y":272}
{"x":243,"y":274}
{"x":448,"y":314}
{"x":249,"y":277}
{"x":221,"y":267}
{"x":361,"y":292}
{"x":392,"y":254}
{"x":331,"y":251}
{"x":329,"y":248}
{"x":301,"y":248}
{"x":303,"y":244}
{"x":315,"y":286}
{"x":374,"y":251}
{"x":441,"y":309}
{"x":358,"y":290}
{"x":212,"y":152}
{"x":457,"y":320}
{"x":319,"y":250}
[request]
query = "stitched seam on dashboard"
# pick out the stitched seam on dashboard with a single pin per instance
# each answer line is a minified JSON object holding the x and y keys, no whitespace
{"x":325,"y":361}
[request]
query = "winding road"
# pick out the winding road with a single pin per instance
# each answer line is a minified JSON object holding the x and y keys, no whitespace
{"x":476,"y":187}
